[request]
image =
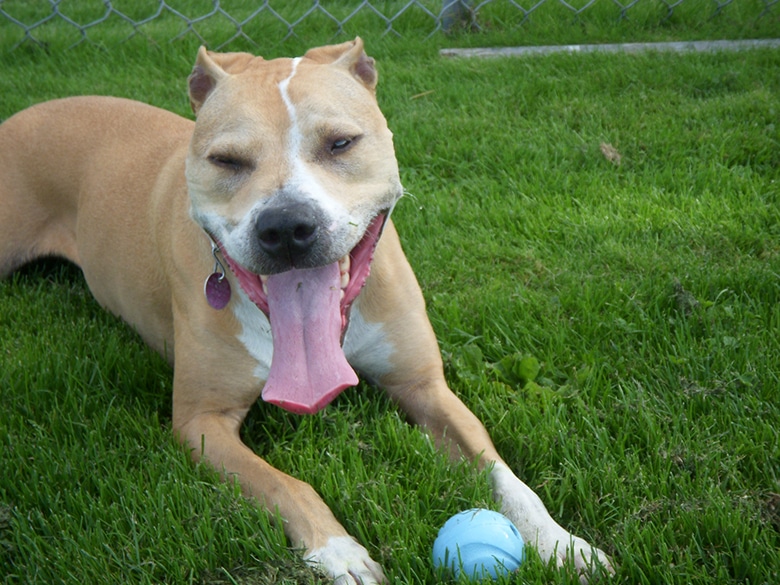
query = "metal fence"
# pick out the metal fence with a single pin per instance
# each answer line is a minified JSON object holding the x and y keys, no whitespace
{"x":252,"y":20}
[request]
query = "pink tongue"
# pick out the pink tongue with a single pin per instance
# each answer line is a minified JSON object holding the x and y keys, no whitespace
{"x":308,"y":368}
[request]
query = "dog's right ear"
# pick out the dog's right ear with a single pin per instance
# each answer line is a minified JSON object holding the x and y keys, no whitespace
{"x":210,"y":68}
{"x":203,"y":79}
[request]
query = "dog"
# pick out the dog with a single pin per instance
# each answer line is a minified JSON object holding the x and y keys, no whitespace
{"x":254,"y":249}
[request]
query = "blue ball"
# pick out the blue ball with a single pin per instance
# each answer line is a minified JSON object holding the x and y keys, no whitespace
{"x":480,"y":543}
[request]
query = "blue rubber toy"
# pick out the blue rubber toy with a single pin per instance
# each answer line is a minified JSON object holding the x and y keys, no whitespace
{"x":479,"y":543}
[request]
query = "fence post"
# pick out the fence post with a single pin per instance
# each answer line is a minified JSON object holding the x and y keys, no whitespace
{"x":454,"y":12}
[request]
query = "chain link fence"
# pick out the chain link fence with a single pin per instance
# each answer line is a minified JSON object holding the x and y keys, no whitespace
{"x":218,"y":23}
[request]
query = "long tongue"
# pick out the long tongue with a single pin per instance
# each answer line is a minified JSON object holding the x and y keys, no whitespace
{"x":308,"y":368}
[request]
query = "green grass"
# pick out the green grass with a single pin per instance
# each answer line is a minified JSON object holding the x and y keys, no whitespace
{"x":647,"y":293}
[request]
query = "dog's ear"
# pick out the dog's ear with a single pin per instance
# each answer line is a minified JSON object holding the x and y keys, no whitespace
{"x":209,"y":69}
{"x":352,"y":57}
{"x":203,"y":79}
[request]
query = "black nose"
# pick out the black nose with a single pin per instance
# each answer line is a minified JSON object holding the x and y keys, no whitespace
{"x":288,"y":232}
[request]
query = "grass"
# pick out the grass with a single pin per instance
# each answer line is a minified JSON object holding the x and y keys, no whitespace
{"x":615,"y":325}
{"x":291,"y":22}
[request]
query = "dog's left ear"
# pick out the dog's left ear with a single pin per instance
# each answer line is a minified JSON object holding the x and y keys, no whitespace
{"x":210,"y":68}
{"x":351,"y":56}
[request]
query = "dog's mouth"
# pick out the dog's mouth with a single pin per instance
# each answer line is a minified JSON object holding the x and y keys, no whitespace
{"x":309,"y":312}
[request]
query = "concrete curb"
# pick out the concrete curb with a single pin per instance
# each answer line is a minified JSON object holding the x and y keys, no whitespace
{"x":675,"y":47}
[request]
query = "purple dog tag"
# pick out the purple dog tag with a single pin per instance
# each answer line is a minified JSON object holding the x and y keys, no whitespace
{"x":217,"y":290}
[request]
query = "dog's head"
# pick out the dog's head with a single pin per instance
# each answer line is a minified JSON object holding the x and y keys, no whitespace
{"x":291,"y":161}
{"x":291,"y":171}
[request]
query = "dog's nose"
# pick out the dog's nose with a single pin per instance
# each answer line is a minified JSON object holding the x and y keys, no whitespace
{"x":288,"y":232}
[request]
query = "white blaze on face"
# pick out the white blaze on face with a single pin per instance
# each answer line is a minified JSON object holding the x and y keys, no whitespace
{"x":302,"y":180}
{"x":295,"y":132}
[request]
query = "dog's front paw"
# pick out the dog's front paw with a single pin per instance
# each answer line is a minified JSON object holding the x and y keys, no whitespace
{"x":564,"y":547}
{"x":525,"y":509}
{"x":347,"y":562}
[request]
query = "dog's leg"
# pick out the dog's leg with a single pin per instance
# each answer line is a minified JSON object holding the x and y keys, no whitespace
{"x":432,"y":405}
{"x":416,"y":382}
{"x":208,"y":410}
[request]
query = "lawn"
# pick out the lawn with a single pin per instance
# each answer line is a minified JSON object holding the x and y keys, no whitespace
{"x":598,"y":239}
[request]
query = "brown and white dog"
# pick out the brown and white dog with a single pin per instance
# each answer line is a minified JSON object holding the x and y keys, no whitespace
{"x":278,"y":199}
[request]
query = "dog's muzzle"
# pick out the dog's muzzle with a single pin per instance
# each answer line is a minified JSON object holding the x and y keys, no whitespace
{"x":308,"y":308}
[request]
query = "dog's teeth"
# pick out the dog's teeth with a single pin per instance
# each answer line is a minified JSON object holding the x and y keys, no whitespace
{"x":264,"y":282}
{"x":341,"y":296}
{"x":344,"y":265}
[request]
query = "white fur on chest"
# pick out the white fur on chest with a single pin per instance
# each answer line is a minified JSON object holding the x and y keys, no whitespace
{"x":255,"y":333}
{"x":366,"y":345}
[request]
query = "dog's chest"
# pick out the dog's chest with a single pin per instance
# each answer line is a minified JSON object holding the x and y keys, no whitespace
{"x":366,"y":345}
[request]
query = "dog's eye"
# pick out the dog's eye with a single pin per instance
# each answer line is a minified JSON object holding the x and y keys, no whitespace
{"x":340,"y":145}
{"x":227,"y":161}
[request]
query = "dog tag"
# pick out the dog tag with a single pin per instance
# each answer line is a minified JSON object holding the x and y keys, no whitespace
{"x":217,"y":290}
